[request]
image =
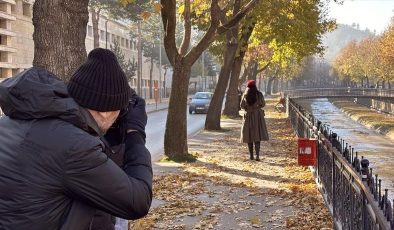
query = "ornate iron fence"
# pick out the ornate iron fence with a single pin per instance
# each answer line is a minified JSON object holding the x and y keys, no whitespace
{"x":350,"y":189}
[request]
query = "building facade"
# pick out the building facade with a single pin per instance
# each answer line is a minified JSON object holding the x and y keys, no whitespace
{"x":17,"y":45}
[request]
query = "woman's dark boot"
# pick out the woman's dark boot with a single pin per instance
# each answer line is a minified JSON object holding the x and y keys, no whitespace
{"x":250,"y":146}
{"x":257,"y":147}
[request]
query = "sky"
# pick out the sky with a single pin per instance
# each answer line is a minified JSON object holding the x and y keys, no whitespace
{"x":371,"y":14}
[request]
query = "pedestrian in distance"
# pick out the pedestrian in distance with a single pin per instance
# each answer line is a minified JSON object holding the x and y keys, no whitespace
{"x":55,"y":166}
{"x":254,"y":128}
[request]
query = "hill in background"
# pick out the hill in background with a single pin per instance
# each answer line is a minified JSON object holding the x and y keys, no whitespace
{"x":337,"y":39}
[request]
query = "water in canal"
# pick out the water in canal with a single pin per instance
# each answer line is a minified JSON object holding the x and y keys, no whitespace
{"x":377,"y":148}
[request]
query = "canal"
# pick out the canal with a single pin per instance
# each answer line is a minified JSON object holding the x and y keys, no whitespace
{"x":377,"y":148}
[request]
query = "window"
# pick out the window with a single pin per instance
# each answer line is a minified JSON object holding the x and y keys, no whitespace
{"x":108,"y":37}
{"x":113,"y":38}
{"x":3,"y":7}
{"x":203,"y":96}
{"x":3,"y":40}
{"x":127,"y":43}
{"x":90,"y":31}
{"x":102,"y":35}
{"x":13,"y":9}
{"x":26,"y":9}
{"x":3,"y":24}
{"x":122,"y":42}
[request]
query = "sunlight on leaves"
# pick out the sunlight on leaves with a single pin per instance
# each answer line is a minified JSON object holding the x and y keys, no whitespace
{"x":157,"y":7}
{"x":145,"y":15}
{"x":124,"y":3}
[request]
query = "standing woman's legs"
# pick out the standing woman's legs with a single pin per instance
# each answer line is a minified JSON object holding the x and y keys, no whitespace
{"x":257,"y":147}
{"x":250,"y":146}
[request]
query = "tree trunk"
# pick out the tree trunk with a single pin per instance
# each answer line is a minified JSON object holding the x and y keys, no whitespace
{"x":151,"y":79}
{"x":175,"y":136}
{"x":266,"y":85}
{"x":261,"y":83}
{"x":389,"y":84}
{"x":269,"y":86}
{"x":95,"y":25}
{"x":231,"y":107}
{"x":60,"y":47}
{"x":212,"y":121}
{"x":245,"y":74}
{"x":275,"y":86}
{"x":281,"y":83}
{"x":253,"y":71}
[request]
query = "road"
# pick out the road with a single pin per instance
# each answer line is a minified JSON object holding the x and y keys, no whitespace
{"x":155,"y":130}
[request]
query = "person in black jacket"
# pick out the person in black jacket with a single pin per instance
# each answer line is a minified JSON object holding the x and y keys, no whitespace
{"x":55,"y":170}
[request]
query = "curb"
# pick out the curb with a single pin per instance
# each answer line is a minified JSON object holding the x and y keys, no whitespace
{"x":156,"y":110}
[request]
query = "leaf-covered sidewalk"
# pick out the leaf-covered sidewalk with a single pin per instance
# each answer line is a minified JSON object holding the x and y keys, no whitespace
{"x":226,"y":190}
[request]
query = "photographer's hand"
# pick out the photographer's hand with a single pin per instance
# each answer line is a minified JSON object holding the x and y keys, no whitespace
{"x":136,"y":117}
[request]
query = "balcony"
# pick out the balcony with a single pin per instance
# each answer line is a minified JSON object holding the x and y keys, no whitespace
{"x":7,"y":16}
{"x":8,"y":1}
{"x":7,"y":32}
{"x":7,"y":49}
{"x":8,"y":65}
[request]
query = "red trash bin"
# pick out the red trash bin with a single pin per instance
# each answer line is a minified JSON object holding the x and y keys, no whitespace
{"x":307,"y":151}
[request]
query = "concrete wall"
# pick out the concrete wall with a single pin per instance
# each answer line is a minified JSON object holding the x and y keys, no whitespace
{"x":385,"y":106}
{"x":380,"y":105}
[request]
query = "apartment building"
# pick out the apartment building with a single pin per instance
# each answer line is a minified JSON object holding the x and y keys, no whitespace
{"x":17,"y":46}
{"x":110,"y":32}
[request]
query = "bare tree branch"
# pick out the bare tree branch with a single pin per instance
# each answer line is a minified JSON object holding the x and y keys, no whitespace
{"x":264,"y":67}
{"x":187,"y":25}
{"x":168,"y":15}
{"x":206,"y":40}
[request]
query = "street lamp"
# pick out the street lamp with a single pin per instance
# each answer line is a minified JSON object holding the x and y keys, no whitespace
{"x":160,"y":84}
{"x":106,"y":33}
{"x":203,"y":72}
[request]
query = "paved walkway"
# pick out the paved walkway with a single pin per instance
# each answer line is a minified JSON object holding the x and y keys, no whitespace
{"x":223,"y":189}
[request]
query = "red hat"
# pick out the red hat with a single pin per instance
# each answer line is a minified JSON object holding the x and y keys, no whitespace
{"x":250,"y":83}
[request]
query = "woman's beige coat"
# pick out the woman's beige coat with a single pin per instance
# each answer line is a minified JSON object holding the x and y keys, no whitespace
{"x":254,"y":128}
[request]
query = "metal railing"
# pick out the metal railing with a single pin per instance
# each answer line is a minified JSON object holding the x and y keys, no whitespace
{"x":340,"y":92}
{"x":350,"y":189}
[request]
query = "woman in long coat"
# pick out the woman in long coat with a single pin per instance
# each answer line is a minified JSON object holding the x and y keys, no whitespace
{"x":254,"y":129}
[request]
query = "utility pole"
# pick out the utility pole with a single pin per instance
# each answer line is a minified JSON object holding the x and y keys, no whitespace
{"x":106,"y":33}
{"x":139,"y":60}
{"x":160,"y":84}
{"x":203,"y":72}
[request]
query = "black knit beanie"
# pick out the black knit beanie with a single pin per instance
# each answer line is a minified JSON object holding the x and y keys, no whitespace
{"x":100,"y":83}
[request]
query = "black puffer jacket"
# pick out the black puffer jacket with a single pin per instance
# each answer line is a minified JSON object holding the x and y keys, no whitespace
{"x":54,"y":173}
